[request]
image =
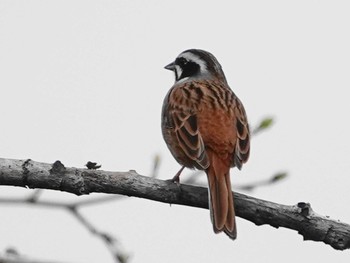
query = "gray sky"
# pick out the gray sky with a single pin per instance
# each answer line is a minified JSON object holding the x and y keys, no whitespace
{"x":84,"y":80}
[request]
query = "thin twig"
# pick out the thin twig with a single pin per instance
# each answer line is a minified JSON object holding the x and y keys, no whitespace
{"x":111,"y":242}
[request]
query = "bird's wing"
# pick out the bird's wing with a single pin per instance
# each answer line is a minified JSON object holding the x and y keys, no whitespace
{"x":189,"y":137}
{"x":242,"y":150}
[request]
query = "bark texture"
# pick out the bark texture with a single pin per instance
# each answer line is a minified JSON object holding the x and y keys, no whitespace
{"x":299,"y":217}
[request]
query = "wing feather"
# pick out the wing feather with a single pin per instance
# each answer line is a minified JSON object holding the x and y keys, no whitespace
{"x":242,"y":150}
{"x":189,"y":138}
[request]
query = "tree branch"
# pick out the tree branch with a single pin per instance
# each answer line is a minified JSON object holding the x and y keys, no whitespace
{"x":300,"y":217}
{"x":111,"y":242}
{"x":11,"y":255}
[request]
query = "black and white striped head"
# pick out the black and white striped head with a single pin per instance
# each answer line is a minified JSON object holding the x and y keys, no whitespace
{"x":194,"y":64}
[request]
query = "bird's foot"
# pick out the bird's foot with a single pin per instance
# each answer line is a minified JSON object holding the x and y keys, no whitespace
{"x":176,"y":178}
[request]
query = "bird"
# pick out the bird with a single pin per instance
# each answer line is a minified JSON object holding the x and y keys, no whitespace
{"x":205,"y":127}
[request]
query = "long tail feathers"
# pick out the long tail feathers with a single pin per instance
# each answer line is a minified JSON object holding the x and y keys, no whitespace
{"x":221,"y":199}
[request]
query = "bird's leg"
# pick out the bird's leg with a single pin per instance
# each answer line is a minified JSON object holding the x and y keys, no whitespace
{"x":176,"y":178}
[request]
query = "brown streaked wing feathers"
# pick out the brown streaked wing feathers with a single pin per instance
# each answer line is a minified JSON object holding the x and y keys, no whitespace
{"x":189,"y":138}
{"x":243,"y":136}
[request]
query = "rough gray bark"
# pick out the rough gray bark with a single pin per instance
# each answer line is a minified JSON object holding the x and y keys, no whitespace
{"x":300,"y":217}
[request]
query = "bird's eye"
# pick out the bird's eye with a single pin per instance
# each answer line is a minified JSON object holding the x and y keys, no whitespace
{"x":182,"y":61}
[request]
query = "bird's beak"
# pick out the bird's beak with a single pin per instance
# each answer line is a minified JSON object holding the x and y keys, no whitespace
{"x":171,"y":66}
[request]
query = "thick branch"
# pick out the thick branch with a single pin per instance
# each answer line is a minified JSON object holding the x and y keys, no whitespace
{"x":300,"y":217}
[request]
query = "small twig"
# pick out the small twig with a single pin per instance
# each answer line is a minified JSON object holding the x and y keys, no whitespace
{"x":111,"y":243}
{"x":11,"y":255}
{"x":155,"y":167}
{"x":192,"y":179}
{"x":34,"y":196}
{"x":21,"y":201}
{"x":272,"y":180}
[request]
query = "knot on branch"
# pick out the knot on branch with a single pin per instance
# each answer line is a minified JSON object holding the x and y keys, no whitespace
{"x":305,"y":209}
{"x":57,"y":168}
{"x":25,"y":171}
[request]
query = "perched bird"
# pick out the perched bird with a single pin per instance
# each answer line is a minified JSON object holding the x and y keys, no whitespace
{"x":205,"y":127}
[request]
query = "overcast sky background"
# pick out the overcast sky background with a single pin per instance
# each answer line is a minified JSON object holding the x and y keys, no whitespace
{"x":84,"y":80}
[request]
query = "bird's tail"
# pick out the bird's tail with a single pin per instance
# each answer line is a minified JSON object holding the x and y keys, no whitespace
{"x":220,"y":197}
